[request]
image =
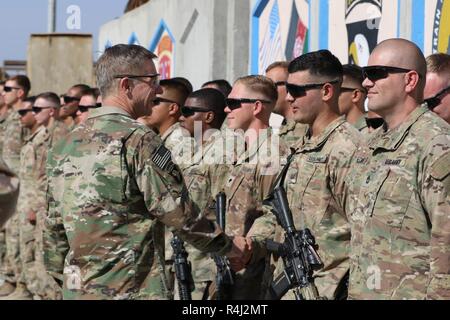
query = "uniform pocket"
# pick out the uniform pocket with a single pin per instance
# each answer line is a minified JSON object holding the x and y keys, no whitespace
{"x":394,"y":196}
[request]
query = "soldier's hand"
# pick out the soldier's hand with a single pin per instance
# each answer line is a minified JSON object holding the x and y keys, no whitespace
{"x":243,"y":246}
{"x":31,"y":217}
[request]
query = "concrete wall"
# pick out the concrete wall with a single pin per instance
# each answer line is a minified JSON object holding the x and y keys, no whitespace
{"x":55,"y":62}
{"x":231,"y":38}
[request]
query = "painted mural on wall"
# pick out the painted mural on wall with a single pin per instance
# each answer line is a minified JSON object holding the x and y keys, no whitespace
{"x":362,"y":18}
{"x":163,"y":45}
{"x":441,"y":27}
{"x":279,"y":32}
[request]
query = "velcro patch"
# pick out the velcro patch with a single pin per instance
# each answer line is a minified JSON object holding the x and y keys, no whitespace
{"x":162,"y":158}
{"x":318,"y":159}
{"x":441,"y":167}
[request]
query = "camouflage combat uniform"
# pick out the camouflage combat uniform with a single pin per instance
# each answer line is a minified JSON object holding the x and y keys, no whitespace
{"x":32,"y":197}
{"x":9,"y":192}
{"x":317,"y":187}
{"x":292,"y":132}
{"x":250,"y":181}
{"x":112,"y":185}
{"x":14,"y":136}
{"x":361,"y":124}
{"x":58,"y":131}
{"x":401,"y":225}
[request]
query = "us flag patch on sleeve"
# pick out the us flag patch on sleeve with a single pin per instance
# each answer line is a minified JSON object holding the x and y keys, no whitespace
{"x":162,"y":158}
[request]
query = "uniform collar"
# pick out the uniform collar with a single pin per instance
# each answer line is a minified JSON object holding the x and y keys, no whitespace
{"x":392,"y":139}
{"x":319,"y":141}
{"x":263,"y":136}
{"x":105,"y":110}
{"x":41,"y":130}
{"x":170,"y":130}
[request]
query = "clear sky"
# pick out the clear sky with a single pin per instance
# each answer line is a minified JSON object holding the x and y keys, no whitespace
{"x":20,"y":18}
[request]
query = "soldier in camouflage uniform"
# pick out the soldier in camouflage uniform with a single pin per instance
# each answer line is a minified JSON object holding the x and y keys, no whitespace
{"x":438,"y":85}
{"x":113,"y":187}
{"x":401,"y":224}
{"x":249,"y":106}
{"x":15,"y":91}
{"x":202,"y":117}
{"x":290,"y":131}
{"x":318,"y":177}
{"x":164,"y":120}
{"x":4,"y":112}
{"x":353,"y":96}
{"x":68,"y":111}
{"x":9,"y":192}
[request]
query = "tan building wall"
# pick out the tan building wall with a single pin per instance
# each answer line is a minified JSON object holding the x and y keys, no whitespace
{"x":55,"y":62}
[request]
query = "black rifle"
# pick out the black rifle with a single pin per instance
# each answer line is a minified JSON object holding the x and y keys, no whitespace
{"x":182,"y":269}
{"x":224,"y":277}
{"x":298,"y":252}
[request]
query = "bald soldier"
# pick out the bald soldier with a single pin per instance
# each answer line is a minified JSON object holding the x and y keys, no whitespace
{"x":290,"y":131}
{"x":401,"y":224}
{"x":112,"y":189}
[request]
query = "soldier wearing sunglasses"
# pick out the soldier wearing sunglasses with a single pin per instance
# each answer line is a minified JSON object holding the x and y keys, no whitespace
{"x":87,"y":102}
{"x":119,"y":177}
{"x":202,"y":116}
{"x":353,"y":96}
{"x":34,"y":280}
{"x":437,"y":88}
{"x":318,"y":177}
{"x":71,"y":100}
{"x":290,"y":131}
{"x":400,"y":224}
{"x":252,"y":176}
{"x":15,"y":91}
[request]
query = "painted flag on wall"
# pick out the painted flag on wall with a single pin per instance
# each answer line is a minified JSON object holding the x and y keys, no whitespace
{"x":270,"y":49}
{"x":297,"y":41}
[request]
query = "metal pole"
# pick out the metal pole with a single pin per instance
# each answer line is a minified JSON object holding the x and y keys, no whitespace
{"x":51,"y":16}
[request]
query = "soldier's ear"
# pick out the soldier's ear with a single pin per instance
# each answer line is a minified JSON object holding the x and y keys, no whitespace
{"x":174,"y":109}
{"x":209,"y":117}
{"x":328,"y":91}
{"x":124,"y":85}
{"x":258,"y":108}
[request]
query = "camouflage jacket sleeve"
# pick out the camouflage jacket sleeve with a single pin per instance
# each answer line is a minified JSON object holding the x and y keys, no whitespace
{"x":55,"y":243}
{"x":166,"y":197}
{"x":435,"y":186}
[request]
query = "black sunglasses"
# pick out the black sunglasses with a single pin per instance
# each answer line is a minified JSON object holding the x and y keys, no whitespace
{"x":434,"y":101}
{"x":300,"y":90}
{"x":158,"y":101}
{"x":23,"y":112}
{"x":346,"y":89}
{"x":237,"y":103}
{"x":138,"y":77}
{"x":374,"y":123}
{"x":86,"y":108}
{"x":374,"y":73}
{"x":69,"y":99}
{"x":187,"y":111}
{"x":9,"y":89}
{"x":36,"y":109}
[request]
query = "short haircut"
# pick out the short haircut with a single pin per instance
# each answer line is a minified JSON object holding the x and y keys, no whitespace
{"x":222,"y":85}
{"x":31,"y":99}
{"x":117,"y":60}
{"x":52,"y":97}
{"x":80,"y":89}
{"x":23,"y":82}
{"x":214,"y":100}
{"x":262,"y":85}
{"x":2,"y":83}
{"x":93,"y":92}
{"x":278,"y":64}
{"x":354,"y":73}
{"x":439,"y":63}
{"x":320,"y":63}
{"x":181,"y":90}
